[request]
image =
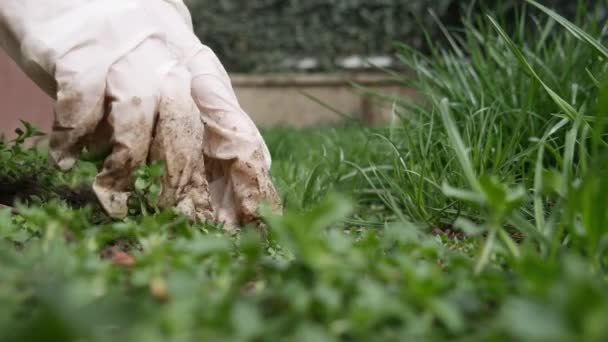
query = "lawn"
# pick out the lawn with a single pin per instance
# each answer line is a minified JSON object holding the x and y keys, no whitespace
{"x":478,"y":214}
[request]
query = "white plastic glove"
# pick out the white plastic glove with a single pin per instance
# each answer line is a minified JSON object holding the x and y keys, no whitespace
{"x":132,"y":73}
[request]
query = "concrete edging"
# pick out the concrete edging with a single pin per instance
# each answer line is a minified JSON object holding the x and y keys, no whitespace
{"x":306,"y":80}
{"x":262,"y":95}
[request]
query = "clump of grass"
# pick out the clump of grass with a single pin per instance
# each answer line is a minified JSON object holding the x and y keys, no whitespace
{"x":511,"y":135}
{"x":507,"y":98}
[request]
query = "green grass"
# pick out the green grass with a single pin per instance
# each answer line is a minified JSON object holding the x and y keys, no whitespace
{"x":480,"y":215}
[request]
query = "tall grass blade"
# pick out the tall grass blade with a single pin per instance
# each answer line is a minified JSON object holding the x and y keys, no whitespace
{"x":458,"y":145}
{"x":573,"y":29}
{"x":563,"y":104}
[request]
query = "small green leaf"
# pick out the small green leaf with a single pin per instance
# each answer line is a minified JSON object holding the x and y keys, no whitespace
{"x":247,"y":321}
{"x":141,"y":184}
{"x":462,"y":195}
{"x":156,"y":169}
{"x":553,"y":182}
{"x":154,"y":190}
{"x":526,"y":320}
{"x":21,"y":236}
{"x":205,"y":245}
{"x":469,"y":227}
{"x":449,"y":315}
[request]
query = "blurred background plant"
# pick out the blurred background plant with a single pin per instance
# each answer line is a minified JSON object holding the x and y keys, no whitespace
{"x":294,"y":35}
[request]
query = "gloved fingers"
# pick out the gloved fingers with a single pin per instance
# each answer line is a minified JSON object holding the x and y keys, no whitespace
{"x":230,"y":133}
{"x":78,"y":110}
{"x":206,"y":62}
{"x":98,"y":143}
{"x":132,"y":89}
{"x":178,"y":142}
{"x":237,"y":158}
{"x":75,"y":43}
{"x":252,"y":186}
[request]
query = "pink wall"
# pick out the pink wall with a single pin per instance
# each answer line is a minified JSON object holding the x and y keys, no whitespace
{"x":21,"y":99}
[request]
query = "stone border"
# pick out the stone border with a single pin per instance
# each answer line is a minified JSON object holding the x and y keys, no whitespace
{"x":285,"y":99}
{"x":313,"y":79}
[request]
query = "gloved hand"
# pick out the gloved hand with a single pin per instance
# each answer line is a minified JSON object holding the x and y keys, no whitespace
{"x":132,"y":74}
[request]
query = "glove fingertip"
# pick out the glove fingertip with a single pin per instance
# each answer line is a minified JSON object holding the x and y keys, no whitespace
{"x":63,"y":161}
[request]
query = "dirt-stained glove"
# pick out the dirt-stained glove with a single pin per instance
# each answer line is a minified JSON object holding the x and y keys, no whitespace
{"x":237,"y":159}
{"x":131,"y":73}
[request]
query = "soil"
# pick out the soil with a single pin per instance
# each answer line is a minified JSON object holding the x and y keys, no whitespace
{"x":76,"y":198}
{"x":455,"y":234}
{"x":13,"y":191}
{"x":118,"y":251}
{"x":450,"y":232}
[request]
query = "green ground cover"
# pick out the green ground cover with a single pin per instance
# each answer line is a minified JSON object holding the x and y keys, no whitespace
{"x":479,"y":215}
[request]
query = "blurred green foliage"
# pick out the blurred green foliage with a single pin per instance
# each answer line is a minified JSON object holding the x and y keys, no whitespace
{"x":262,"y":35}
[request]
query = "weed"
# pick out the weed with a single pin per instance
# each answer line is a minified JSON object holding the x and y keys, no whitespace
{"x":147,"y":188}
